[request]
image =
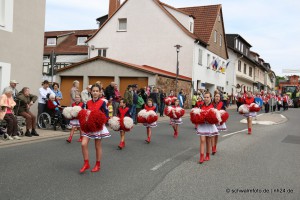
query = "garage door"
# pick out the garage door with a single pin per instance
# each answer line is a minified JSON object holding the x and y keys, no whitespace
{"x":104,"y":80}
{"x":125,"y":81}
{"x":65,"y":88}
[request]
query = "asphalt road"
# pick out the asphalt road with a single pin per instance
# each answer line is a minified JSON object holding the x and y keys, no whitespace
{"x":165,"y":169}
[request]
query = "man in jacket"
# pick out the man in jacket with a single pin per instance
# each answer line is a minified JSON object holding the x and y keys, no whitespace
{"x":155,"y":97}
{"x":110,"y":91}
{"x":24,"y":101}
{"x":128,"y":98}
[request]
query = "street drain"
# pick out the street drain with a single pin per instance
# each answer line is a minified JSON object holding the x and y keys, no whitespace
{"x":292,"y":139}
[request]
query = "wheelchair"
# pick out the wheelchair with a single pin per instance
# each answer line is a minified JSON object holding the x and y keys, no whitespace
{"x":50,"y":119}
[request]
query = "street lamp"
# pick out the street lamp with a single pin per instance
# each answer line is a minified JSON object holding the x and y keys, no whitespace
{"x":177,"y":68}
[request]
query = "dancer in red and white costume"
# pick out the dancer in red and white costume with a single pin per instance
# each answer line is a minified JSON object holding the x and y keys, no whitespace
{"x":123,"y":122}
{"x":206,"y":130}
{"x":92,"y":122}
{"x":175,"y":116}
{"x":148,"y":117}
{"x":249,"y":109}
{"x":74,"y":122}
{"x":218,"y":104}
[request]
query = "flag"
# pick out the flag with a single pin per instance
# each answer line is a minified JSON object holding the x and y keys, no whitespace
{"x":227,"y":64}
{"x":214,"y":64}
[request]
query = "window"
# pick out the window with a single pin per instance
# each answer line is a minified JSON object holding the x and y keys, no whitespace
{"x":208,"y":60}
{"x":122,"y":24}
{"x":245,"y":68}
{"x":247,"y":51}
{"x":215,"y":36}
{"x":236,"y":43}
{"x":81,"y":40}
{"x":239,"y":66}
{"x":2,"y":13}
{"x":200,"y":57}
{"x":102,"y":52}
{"x":242,"y":48}
{"x":191,"y":26}
{"x":239,"y":46}
{"x":220,"y":40}
{"x":51,"y":41}
{"x":250,"y":71}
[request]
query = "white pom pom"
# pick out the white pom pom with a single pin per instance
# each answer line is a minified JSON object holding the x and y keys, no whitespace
{"x":143,"y":114}
{"x":196,"y":111}
{"x":243,"y":109}
{"x":67,"y":112}
{"x":114,"y":123}
{"x":75,"y":110}
{"x":218,"y":115}
{"x":151,"y":112}
{"x":128,"y":122}
{"x":222,"y":112}
{"x":178,"y":109}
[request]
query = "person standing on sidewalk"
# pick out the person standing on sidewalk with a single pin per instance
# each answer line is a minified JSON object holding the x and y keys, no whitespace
{"x":162,"y":96}
{"x":43,"y":92}
{"x":26,"y":100}
{"x":134,"y":103}
{"x":116,"y":100}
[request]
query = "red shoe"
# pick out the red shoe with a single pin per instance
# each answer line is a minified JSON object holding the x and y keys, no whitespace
{"x":69,"y":140}
{"x":207,"y":158}
{"x":80,"y":139}
{"x":201,"y":158}
{"x":97,"y":167}
{"x":214,"y":150}
{"x":148,"y":140}
{"x":175,"y":134}
{"x":249,"y":131}
{"x":121,"y":145}
{"x":86,"y":166}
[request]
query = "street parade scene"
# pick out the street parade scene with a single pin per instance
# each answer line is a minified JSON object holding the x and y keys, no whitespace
{"x":211,"y":117}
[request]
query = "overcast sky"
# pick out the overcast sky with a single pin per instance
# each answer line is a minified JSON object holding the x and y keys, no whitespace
{"x":270,"y":26}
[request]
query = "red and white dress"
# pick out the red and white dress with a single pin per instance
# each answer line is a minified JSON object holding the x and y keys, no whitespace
{"x":122,"y":113}
{"x":220,"y":106}
{"x":154,"y":124}
{"x":75,"y":121}
{"x":100,"y":132}
{"x":207,"y":129}
{"x":248,"y":101}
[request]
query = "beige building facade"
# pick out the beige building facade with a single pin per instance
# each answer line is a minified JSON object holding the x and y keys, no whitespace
{"x":22,"y":37}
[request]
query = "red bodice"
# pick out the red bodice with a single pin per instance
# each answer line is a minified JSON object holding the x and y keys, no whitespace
{"x":94,"y":105}
{"x":248,"y":101}
{"x":123,"y":111}
{"x":80,"y":104}
{"x":150,"y":108}
{"x":207,"y":107}
{"x":218,"y":105}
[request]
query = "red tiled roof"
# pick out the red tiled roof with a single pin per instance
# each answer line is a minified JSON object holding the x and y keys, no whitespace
{"x":205,"y":18}
{"x":69,"y":45}
{"x":144,"y":68}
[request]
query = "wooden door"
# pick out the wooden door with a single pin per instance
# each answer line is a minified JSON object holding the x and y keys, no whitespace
{"x":65,"y":88}
{"x":125,"y":81}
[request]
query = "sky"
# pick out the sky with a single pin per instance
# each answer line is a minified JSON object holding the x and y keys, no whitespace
{"x":270,"y":26}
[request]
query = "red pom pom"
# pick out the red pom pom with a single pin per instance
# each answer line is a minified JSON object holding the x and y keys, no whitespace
{"x":141,"y":119}
{"x":122,"y":126}
{"x":168,"y":111}
{"x":254,"y":108}
{"x":168,"y":101}
{"x":198,"y":118}
{"x":211,"y":117}
{"x":151,"y":119}
{"x":224,"y":117}
{"x":91,"y":121}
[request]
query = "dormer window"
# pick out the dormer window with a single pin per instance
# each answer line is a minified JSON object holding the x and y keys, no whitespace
{"x":191,"y":26}
{"x":81,"y":40}
{"x":122,"y":24}
{"x":2,"y":13}
{"x":215,"y":36}
{"x":51,"y":41}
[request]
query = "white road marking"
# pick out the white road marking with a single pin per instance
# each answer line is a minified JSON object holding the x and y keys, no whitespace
{"x":234,"y":133}
{"x":159,"y":165}
{"x":283,"y":116}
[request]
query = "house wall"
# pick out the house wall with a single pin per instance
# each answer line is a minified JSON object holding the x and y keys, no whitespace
{"x":149,"y":39}
{"x":182,"y":18}
{"x":201,"y":74}
{"x":231,"y":73}
{"x":22,"y":46}
{"x":103,"y":68}
{"x":215,"y":46}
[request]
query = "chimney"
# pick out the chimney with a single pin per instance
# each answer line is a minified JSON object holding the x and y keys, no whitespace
{"x":113,"y":6}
